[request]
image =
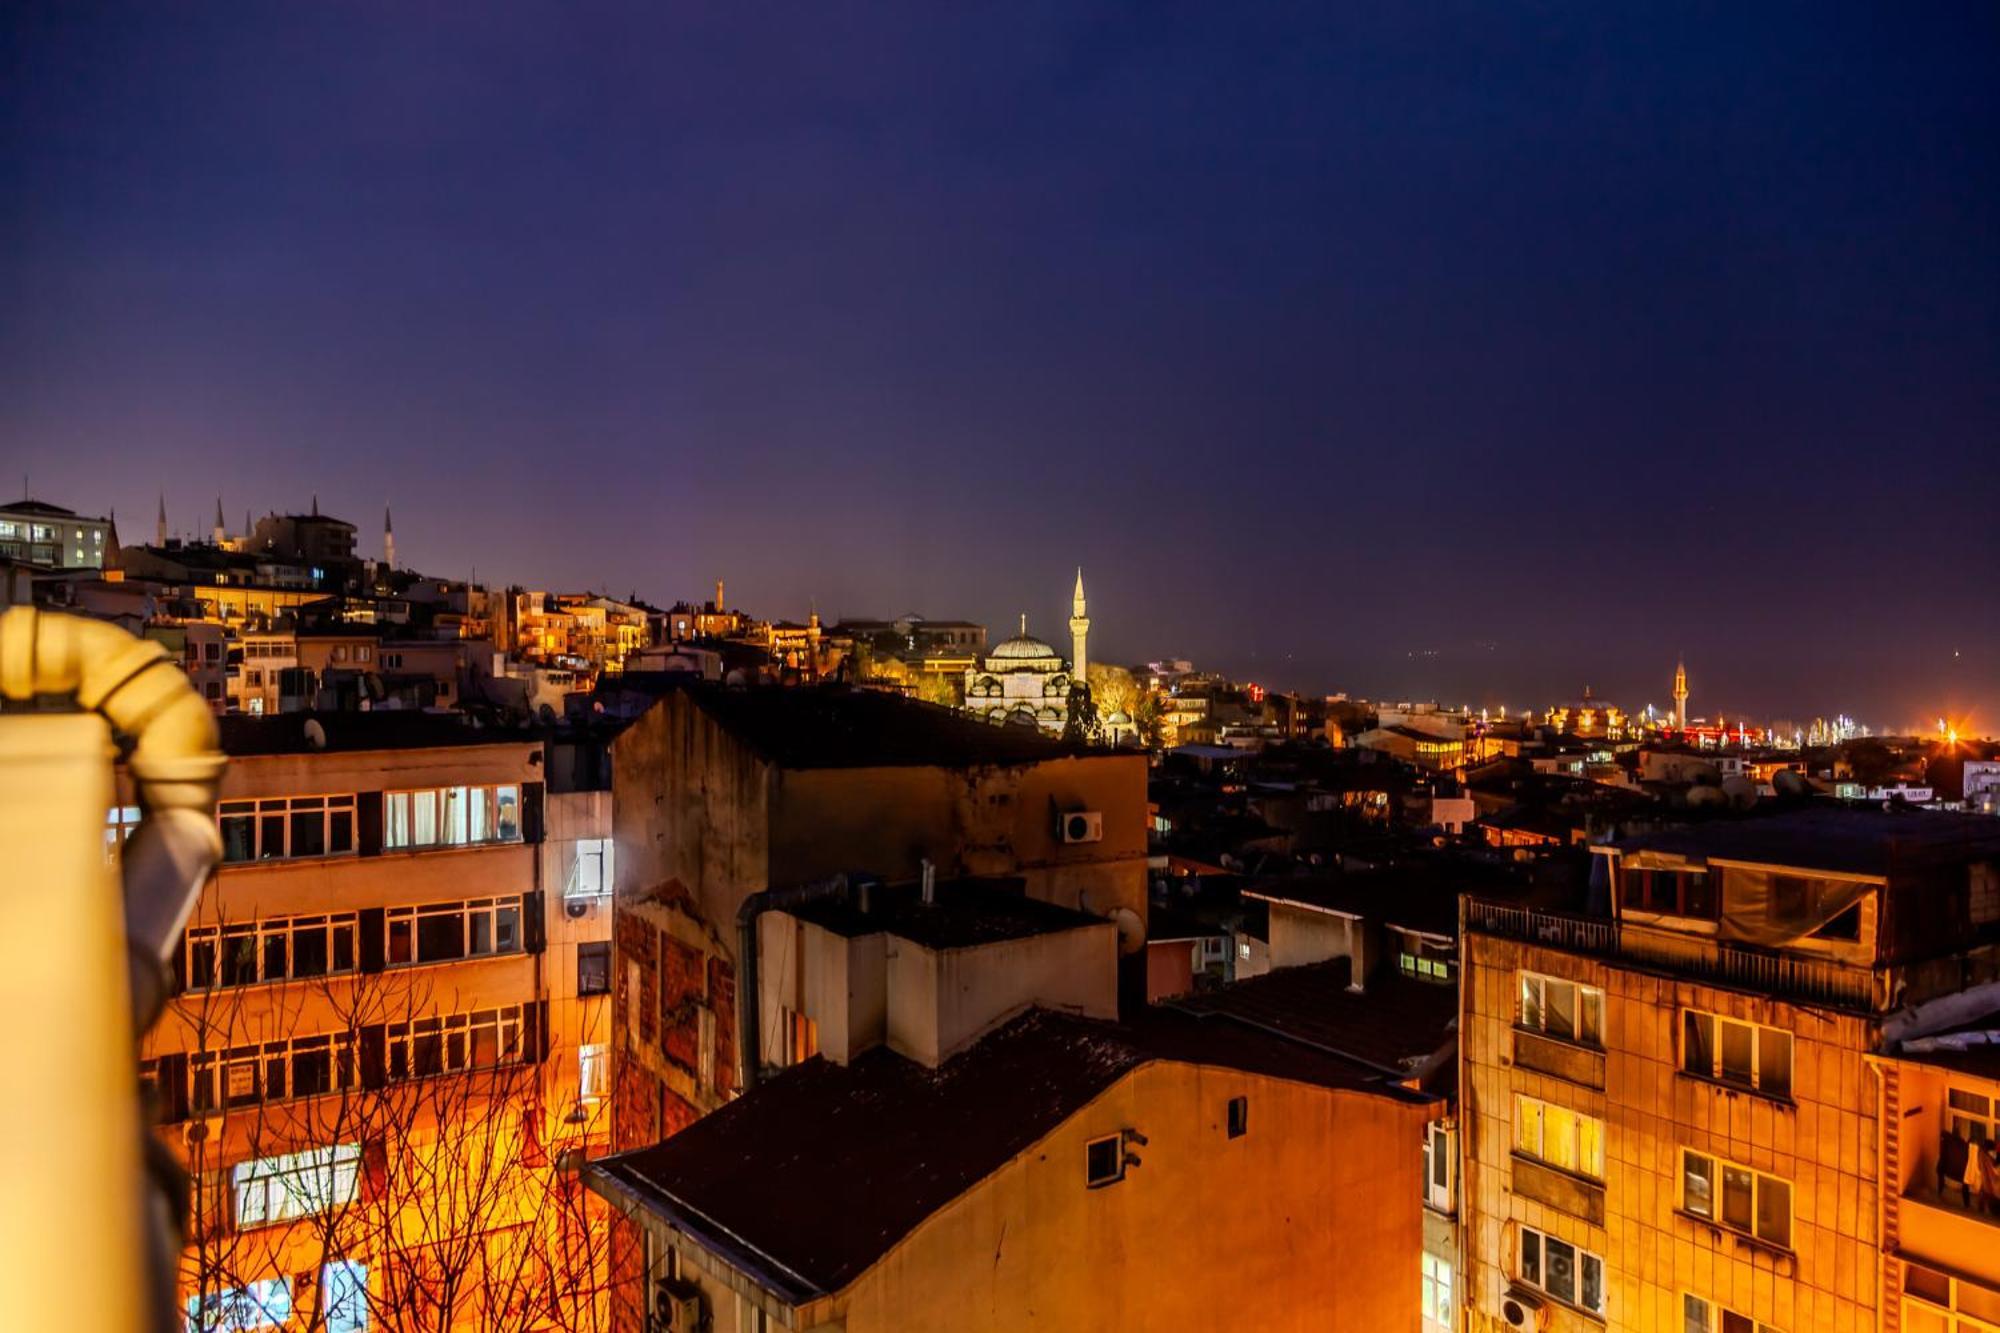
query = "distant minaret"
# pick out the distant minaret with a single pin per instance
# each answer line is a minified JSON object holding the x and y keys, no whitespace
{"x":219,"y":536}
{"x":1681,"y":697}
{"x":160,"y":528}
{"x":1079,"y":628}
{"x":720,"y":605}
{"x":388,"y":540}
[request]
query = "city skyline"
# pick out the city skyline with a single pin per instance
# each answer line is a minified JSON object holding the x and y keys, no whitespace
{"x":1479,"y":359}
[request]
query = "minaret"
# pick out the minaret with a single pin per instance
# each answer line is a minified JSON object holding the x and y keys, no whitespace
{"x":160,"y":528}
{"x":1079,"y":628}
{"x":718,"y":597}
{"x":388,"y":540}
{"x":219,"y":536}
{"x":1681,"y":697}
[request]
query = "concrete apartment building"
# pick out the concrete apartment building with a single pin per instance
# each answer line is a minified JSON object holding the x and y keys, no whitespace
{"x":976,"y":1143}
{"x":387,"y":1051}
{"x":37,"y":533}
{"x":1674,"y":1117}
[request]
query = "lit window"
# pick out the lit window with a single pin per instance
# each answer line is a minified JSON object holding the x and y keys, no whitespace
{"x":593,"y":1072}
{"x":1559,"y":1008}
{"x":1747,"y":1055}
{"x":344,"y":1296}
{"x":1428,"y":960}
{"x":446,"y":932}
{"x":1737,"y":1197}
{"x":1440,"y":1166}
{"x":451,"y":817}
{"x":1437,"y":1290}
{"x":1571,"y":1275}
{"x":265,"y":1304}
{"x":1104,"y":1161}
{"x":118,"y":826}
{"x":1931,"y":1298}
{"x":1558,"y":1136}
{"x":1701,"y":1316}
{"x":300,"y":1184}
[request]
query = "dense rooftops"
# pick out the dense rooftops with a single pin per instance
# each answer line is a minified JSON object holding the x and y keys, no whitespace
{"x":832,"y":726}
{"x":382,"y":729}
{"x":808,"y":1181}
{"x":1395,"y":1026}
{"x":1839,"y":840}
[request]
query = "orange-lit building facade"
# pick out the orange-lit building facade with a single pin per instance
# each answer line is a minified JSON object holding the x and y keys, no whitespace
{"x":387,"y":1055}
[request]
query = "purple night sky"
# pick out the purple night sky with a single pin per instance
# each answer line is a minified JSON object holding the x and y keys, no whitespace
{"x":1471,"y":351}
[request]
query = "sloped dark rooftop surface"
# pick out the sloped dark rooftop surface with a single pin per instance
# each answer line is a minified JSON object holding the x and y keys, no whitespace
{"x":1418,"y":895}
{"x":964,"y":912}
{"x":1833,"y":838}
{"x":1399,"y":1020}
{"x":383,"y":729}
{"x":815,"y":1175}
{"x":833,"y":726}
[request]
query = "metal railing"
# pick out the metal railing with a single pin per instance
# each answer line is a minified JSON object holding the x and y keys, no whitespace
{"x":1817,"y":980}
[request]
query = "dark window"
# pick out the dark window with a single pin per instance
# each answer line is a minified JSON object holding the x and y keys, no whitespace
{"x":507,"y":929}
{"x":1239,"y":1117}
{"x":1846,"y":926}
{"x":399,"y":940}
{"x":309,"y":952}
{"x":1104,"y":1161}
{"x":593,"y":969}
{"x":340,"y":832}
{"x":312,"y":1071}
{"x":308,"y":833}
{"x":239,"y":959}
{"x":239,"y":837}
{"x":440,"y":937}
{"x":343,"y":947}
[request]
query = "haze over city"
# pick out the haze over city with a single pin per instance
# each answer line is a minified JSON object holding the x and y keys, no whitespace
{"x":1472,"y":355}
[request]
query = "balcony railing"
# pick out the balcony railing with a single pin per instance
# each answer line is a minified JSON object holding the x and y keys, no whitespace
{"x":1814,"y":979}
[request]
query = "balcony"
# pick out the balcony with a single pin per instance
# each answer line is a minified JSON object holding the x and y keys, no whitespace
{"x":1815,"y":980}
{"x":1942,"y":1232}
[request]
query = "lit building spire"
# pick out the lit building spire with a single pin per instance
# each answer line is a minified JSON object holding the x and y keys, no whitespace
{"x":160,"y":527}
{"x":221,"y":534}
{"x":1681,"y":696}
{"x":1079,"y":630}
{"x":388,"y":540}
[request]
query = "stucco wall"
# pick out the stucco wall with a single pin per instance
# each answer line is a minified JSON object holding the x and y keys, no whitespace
{"x":941,"y":1001}
{"x":1300,"y":936}
{"x":1310,"y":1221}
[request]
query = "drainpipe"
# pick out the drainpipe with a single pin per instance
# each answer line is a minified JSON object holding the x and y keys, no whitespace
{"x":749,"y":1036}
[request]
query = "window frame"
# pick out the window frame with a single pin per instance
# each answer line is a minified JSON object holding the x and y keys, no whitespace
{"x":477,"y":809}
{"x":593,"y":949}
{"x":1717,"y":1216}
{"x":1587,"y":1151}
{"x":403,"y":1044}
{"x":1952,"y":1315}
{"x":266,"y":815}
{"x":1236,"y":1117}
{"x":474,"y":916}
{"x":1436,"y":1298}
{"x":1691,"y":1018}
{"x":1717,"y":1318}
{"x":1582,"y":1258}
{"x":1092,"y":1177}
{"x":270,"y":1070}
{"x":1539,"y":984}
{"x":1441,"y":1147}
{"x":279,"y":932}
{"x":330,"y":1176}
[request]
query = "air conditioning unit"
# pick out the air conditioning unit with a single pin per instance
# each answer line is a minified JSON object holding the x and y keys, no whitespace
{"x":575,"y":908}
{"x":201,"y":1129}
{"x":1081,"y":826}
{"x":676,"y":1308}
{"x":1523,"y":1309}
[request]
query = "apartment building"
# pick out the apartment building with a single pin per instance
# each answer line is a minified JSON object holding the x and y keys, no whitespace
{"x":1672,"y":1114}
{"x":385,"y":1059}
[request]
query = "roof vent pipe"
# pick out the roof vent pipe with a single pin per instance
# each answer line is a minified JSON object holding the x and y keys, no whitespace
{"x":930,"y":882}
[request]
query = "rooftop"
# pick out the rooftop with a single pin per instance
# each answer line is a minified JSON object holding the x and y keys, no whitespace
{"x":964,"y":913}
{"x":807,"y":1181}
{"x":1837,"y":839}
{"x":382,"y":729}
{"x":1396,"y":1024}
{"x":39,"y":507}
{"x":832,"y":726}
{"x":1417,"y":895}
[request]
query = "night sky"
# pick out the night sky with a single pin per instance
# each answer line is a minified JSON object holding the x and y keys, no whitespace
{"x":1410,"y":350}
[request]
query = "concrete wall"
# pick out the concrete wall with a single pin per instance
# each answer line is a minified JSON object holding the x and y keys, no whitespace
{"x":1300,"y":935}
{"x":941,"y":1001}
{"x":837,"y":981}
{"x":1310,"y":1221}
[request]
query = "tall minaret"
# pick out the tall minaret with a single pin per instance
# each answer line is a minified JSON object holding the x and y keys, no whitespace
{"x":160,"y":527}
{"x":219,"y":536}
{"x":388,"y":540}
{"x":1681,"y":697}
{"x":1079,"y":628}
{"x":719,"y":606}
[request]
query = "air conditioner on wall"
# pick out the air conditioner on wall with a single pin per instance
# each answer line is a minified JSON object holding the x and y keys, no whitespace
{"x":1523,"y":1309}
{"x":1081,"y":826}
{"x":676,"y":1307}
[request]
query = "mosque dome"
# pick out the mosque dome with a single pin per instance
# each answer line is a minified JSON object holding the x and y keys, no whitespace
{"x":1022,"y":648}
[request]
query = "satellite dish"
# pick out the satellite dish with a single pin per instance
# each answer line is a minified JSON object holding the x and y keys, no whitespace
{"x":315,"y":734}
{"x":1131,"y":930}
{"x":1788,"y":782}
{"x":1706,"y":796}
{"x":1741,"y":792}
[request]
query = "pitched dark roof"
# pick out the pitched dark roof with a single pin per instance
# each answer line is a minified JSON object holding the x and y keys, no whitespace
{"x":1832,"y":838}
{"x":832,"y":726}
{"x":381,"y":729}
{"x":1397,"y":1024}
{"x":37,"y":507}
{"x":964,"y":912}
{"x":1164,"y":924}
{"x":1416,"y":895}
{"x":811,"y":1178}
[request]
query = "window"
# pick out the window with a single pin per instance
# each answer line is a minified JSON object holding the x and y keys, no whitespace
{"x":1737,"y":1197}
{"x":593,"y":968}
{"x":1559,"y":1137}
{"x":590,"y":873}
{"x":1970,"y":1115}
{"x":1239,"y":1117}
{"x":801,"y":1035}
{"x":1559,"y":1008}
{"x":282,"y":949}
{"x":272,"y":1071}
{"x":1429,"y":960}
{"x":119,"y":824}
{"x":1104,"y":1161}
{"x":593,"y":1072}
{"x":1744,"y":1054}
{"x":265,"y":1304}
{"x":300,"y":1184}
{"x":286,"y":827}
{"x":482,"y":1039}
{"x":344,"y":1296}
{"x":444,"y":932}
{"x":1931,"y":1299}
{"x":1440,"y":1167}
{"x":1700,"y":1316}
{"x":451,"y":817}
{"x":1571,"y":1275}
{"x":1437,"y":1291}
{"x":1669,"y":892}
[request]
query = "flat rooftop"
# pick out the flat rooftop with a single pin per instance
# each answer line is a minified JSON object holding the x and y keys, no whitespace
{"x":835,"y":726}
{"x":964,"y":913}
{"x":1397,"y":1024}
{"x":381,"y":729}
{"x":1838,"y":839}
